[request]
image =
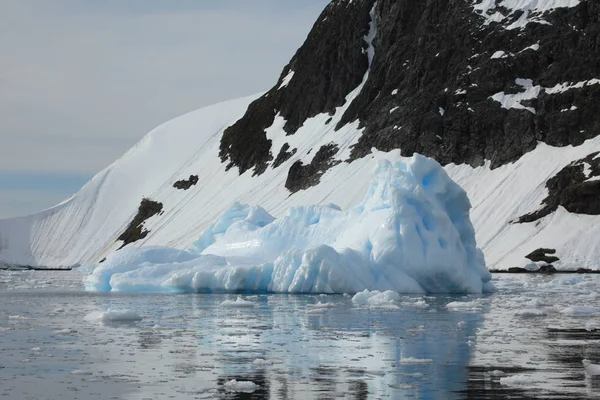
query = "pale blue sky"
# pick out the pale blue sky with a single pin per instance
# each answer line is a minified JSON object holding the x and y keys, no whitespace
{"x":82,"y":80}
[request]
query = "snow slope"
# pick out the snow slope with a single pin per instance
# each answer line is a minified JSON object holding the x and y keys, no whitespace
{"x":84,"y":228}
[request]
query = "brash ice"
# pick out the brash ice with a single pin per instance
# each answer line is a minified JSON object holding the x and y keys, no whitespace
{"x":410,"y":234}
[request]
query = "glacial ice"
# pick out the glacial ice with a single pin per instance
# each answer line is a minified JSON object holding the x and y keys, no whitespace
{"x":410,"y":234}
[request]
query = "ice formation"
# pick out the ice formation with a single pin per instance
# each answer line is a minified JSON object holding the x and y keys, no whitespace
{"x":410,"y":234}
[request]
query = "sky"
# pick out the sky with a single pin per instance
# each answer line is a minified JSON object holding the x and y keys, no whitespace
{"x":81,"y":81}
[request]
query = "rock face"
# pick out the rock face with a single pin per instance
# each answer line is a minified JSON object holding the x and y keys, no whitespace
{"x":460,"y":81}
{"x":185,"y":184}
{"x":575,"y":187}
{"x":136,"y":231}
{"x":323,"y":71}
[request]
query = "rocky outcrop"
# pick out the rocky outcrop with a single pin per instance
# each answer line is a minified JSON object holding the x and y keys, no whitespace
{"x":302,"y":176}
{"x":575,"y":188}
{"x":284,"y":155}
{"x":330,"y":64}
{"x":185,"y":184}
{"x":541,"y":255}
{"x":460,"y":81}
{"x":136,"y":231}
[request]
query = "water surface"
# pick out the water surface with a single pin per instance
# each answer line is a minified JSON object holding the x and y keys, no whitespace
{"x":297,"y":346}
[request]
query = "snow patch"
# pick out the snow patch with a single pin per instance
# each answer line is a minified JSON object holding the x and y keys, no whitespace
{"x":505,"y":12}
{"x":509,"y":101}
{"x":286,"y":80}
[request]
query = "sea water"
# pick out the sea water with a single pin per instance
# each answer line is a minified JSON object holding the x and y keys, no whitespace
{"x":525,"y":340}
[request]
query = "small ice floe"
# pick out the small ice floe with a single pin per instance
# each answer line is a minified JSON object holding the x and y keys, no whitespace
{"x":591,"y":369}
{"x":17,"y":317}
{"x":592,"y":326}
{"x":416,"y":304}
{"x":81,"y":372}
{"x":402,"y":386}
{"x":237,"y":303}
{"x":496,"y":372}
{"x":464,"y":306}
{"x":516,"y":380}
{"x":241,"y":386}
{"x":377,"y":299}
{"x":460,"y":324}
{"x":111,"y":315}
{"x":66,"y":331}
{"x":530,"y":313}
{"x":413,"y":360}
{"x":36,"y":349}
{"x":262,"y":361}
{"x":319,"y":307}
{"x":581,"y":311}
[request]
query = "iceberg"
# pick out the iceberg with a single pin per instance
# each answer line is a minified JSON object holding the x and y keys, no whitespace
{"x":410,"y":234}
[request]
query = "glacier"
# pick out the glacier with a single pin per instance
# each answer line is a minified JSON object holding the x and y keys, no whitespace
{"x":411,"y":234}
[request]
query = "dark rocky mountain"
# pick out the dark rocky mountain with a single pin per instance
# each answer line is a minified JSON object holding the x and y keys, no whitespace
{"x":449,"y":79}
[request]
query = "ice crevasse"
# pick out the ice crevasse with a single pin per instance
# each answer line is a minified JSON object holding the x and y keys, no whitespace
{"x":410,"y":234}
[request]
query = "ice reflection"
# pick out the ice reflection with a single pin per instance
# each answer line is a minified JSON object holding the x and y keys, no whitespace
{"x":298,"y":347}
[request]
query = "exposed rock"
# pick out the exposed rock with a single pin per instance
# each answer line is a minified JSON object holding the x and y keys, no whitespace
{"x":517,"y":270}
{"x":329,"y":65}
{"x":548,"y":269}
{"x":436,"y":65}
{"x":542,"y":255}
{"x":185,"y":184}
{"x":136,"y":231}
{"x":572,"y":189}
{"x":302,"y":176}
{"x":283,"y":155}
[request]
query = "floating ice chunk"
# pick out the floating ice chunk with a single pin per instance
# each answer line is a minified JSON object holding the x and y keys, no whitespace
{"x":81,"y":372}
{"x":237,"y":303}
{"x":113,"y":316}
{"x":516,"y":380}
{"x":376,"y":298}
{"x":581,"y":311}
{"x":530,"y":313}
{"x":410,"y":234}
{"x":591,"y":369}
{"x":496,"y":372}
{"x":464,"y":306}
{"x":321,"y":305}
{"x":412,"y":360}
{"x":592,"y":326}
{"x":241,"y":386}
{"x":262,"y":361}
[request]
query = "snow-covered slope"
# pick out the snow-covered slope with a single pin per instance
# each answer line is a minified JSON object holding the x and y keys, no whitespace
{"x":84,"y":229}
{"x":293,"y":145}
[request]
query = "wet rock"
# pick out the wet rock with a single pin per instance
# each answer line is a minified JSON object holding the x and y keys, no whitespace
{"x":547,"y":269}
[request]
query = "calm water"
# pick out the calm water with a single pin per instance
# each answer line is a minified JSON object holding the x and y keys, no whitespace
{"x":189,"y":346}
